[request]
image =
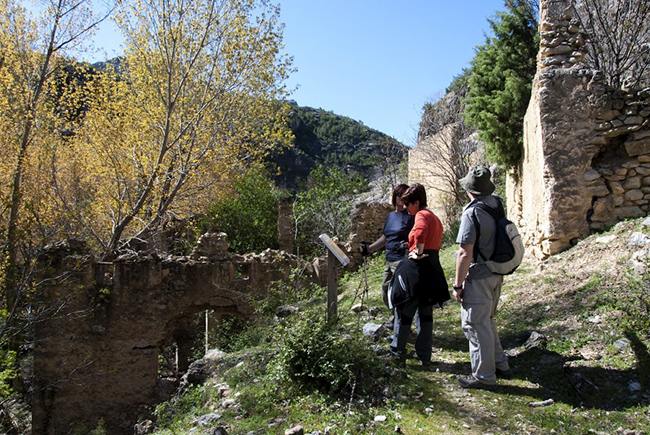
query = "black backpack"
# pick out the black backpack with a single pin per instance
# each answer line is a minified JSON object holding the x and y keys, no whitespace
{"x":509,"y":248}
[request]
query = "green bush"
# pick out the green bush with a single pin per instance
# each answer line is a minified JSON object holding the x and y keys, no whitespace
{"x":325,"y":206}
{"x":7,"y":372}
{"x":315,"y":356}
{"x":171,"y":413}
{"x":249,"y":218}
{"x":288,"y":292}
{"x":633,"y":300}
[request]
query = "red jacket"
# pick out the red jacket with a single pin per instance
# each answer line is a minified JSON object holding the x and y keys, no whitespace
{"x":427,"y":230}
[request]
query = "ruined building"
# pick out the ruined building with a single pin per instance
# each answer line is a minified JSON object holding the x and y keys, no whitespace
{"x":586,"y":157}
{"x":586,"y":154}
{"x":104,"y":325}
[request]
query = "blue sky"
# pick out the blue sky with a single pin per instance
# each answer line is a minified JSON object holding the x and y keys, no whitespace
{"x":375,"y":61}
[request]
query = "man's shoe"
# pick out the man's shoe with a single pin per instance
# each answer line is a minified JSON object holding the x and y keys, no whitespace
{"x":504,"y":374}
{"x":471,"y":382}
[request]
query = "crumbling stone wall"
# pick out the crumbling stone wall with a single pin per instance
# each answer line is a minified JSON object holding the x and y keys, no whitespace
{"x":97,"y":348}
{"x":367,"y":226}
{"x":586,"y":147}
{"x":96,"y":352}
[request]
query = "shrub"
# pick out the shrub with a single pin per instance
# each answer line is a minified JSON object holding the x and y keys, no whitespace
{"x":315,"y":356}
{"x":633,"y":300}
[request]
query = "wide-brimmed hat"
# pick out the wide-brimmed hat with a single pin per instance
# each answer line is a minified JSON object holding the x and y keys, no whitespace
{"x":477,"y":181}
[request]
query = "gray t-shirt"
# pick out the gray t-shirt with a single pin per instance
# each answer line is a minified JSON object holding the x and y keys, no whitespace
{"x":467,"y":233}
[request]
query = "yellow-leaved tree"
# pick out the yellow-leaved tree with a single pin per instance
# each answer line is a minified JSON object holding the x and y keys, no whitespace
{"x":196,"y":98}
{"x":32,"y":51}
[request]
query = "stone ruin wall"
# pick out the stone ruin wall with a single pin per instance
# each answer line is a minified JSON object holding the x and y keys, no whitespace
{"x":96,"y":351}
{"x":586,"y":158}
{"x":96,"y":356}
{"x":367,"y":226}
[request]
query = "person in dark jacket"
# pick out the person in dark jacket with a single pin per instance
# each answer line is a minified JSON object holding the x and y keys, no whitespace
{"x":395,"y":235}
{"x":419,"y":282}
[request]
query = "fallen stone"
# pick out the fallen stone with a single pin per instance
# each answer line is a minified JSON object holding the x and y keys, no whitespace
{"x":542,"y":403}
{"x":638,"y":239}
{"x":622,"y":344}
{"x":359,"y":308}
{"x":605,"y":239}
{"x":208,"y":419}
{"x":296,"y":430}
{"x":144,"y":428}
{"x":374,"y":331}
{"x":535,"y":340}
{"x":285,"y":311}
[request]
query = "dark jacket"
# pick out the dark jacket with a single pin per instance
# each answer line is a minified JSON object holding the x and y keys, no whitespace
{"x":423,"y":279}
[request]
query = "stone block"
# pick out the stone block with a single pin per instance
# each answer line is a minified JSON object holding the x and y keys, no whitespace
{"x":619,"y":131}
{"x":603,"y":208}
{"x":632,"y":183}
{"x":628,"y":212}
{"x":643,"y":171}
{"x":644,"y":158}
{"x":623,"y":171}
{"x":608,"y":115}
{"x":591,"y":175}
{"x":634,"y":195}
{"x":619,"y":200}
{"x":633,"y":120}
{"x":558,"y":50}
{"x":638,"y":135}
{"x":636,"y":148}
{"x":598,"y":190}
{"x":646,"y":181}
{"x":604,"y":126}
{"x":616,"y":187}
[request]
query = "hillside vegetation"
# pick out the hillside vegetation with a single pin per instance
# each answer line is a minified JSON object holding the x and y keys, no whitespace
{"x":576,"y":327}
{"x":325,"y":138}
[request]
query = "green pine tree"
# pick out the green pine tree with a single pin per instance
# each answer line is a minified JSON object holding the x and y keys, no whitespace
{"x":500,"y":82}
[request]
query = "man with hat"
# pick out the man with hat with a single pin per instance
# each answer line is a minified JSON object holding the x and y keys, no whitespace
{"x":476,"y":287}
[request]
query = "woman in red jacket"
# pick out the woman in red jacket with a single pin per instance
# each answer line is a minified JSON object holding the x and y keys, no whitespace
{"x":419,"y":283}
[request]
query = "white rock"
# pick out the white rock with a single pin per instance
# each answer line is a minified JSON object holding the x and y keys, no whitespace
{"x":638,"y":239}
{"x":606,"y":239}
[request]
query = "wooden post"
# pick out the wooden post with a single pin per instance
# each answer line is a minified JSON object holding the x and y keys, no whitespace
{"x":332,"y":287}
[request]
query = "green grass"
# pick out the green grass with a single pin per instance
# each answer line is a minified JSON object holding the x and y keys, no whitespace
{"x":590,"y":395}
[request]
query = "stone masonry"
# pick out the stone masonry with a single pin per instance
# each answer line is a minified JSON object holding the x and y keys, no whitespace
{"x":586,"y":147}
{"x":96,"y":352}
{"x":105,"y":324}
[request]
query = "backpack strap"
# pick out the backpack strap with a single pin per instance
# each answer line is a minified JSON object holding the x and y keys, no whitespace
{"x":496,"y":213}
